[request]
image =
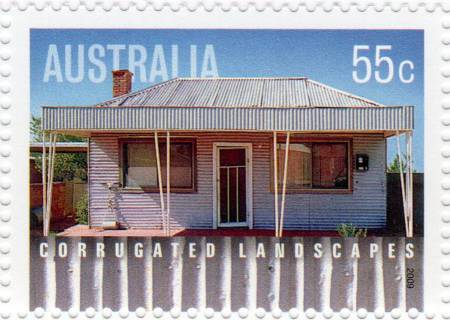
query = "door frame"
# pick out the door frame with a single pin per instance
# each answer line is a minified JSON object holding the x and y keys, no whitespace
{"x":248,"y":183}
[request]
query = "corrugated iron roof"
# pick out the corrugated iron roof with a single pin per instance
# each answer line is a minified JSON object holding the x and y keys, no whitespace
{"x":241,"y":92}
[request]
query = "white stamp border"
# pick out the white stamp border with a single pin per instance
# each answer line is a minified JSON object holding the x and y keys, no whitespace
{"x":16,"y":18}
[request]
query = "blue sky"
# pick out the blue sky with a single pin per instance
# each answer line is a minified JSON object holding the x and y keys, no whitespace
{"x":322,"y":55}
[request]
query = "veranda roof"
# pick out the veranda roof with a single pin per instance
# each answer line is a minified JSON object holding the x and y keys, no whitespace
{"x":263,"y":104}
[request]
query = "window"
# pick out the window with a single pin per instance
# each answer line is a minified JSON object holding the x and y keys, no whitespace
{"x":315,"y":165}
{"x":140,"y":167}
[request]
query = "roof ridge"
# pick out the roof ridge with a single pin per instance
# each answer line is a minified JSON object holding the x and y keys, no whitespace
{"x":346,"y":93}
{"x":242,"y":78}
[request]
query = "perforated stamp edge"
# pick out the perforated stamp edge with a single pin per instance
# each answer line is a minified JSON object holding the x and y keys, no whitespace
{"x":17,"y":17}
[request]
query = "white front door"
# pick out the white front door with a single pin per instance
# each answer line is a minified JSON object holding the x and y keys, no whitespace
{"x":233,"y":185}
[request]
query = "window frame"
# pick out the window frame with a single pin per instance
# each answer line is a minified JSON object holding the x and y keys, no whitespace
{"x":312,"y":140}
{"x":162,"y":139}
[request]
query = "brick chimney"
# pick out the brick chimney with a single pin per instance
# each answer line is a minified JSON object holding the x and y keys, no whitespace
{"x":121,"y":82}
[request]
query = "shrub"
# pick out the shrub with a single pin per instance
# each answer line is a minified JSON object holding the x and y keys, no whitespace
{"x":82,"y":209}
{"x":351,"y":231}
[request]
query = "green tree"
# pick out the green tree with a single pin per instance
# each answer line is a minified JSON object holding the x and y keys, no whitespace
{"x":36,"y":132}
{"x":68,"y":166}
{"x":82,"y":209}
{"x":394,"y":166}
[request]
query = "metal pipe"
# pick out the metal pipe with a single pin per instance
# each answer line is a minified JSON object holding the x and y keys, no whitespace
{"x":283,"y":195}
{"x":218,"y":184}
{"x":411,"y":185}
{"x":50,"y":183}
{"x":47,"y":178}
{"x":402,"y":183}
{"x":158,"y":165}
{"x":52,"y":173}
{"x":237,"y":194}
{"x":407,"y":184}
{"x":44,"y":183}
{"x":275,"y":179}
{"x":168,"y":182}
{"x":228,"y":194}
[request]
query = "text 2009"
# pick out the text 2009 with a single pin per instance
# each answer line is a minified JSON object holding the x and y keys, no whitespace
{"x":410,"y":278}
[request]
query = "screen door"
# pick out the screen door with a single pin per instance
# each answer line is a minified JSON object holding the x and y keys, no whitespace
{"x":232,"y":186}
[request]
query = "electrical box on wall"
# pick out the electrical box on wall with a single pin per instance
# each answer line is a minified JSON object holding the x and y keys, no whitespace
{"x":362,"y":162}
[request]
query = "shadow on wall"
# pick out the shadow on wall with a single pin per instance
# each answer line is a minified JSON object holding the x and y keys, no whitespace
{"x":395,"y":222}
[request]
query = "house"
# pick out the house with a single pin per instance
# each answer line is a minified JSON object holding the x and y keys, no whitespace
{"x":226,"y":136}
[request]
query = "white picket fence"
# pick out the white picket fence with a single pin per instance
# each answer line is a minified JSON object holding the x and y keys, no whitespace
{"x":226,"y":281}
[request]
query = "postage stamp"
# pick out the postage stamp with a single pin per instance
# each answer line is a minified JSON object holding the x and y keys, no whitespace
{"x":224,"y":160}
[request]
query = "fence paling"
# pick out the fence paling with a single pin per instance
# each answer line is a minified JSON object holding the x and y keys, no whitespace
{"x":378,"y":276}
{"x":201,"y":276}
{"x":274,"y":269}
{"x":400,"y":272}
{"x":97,"y":302}
{"x":396,"y":281}
{"x":326,"y":271}
{"x":148,"y":274}
{"x":177,"y":274}
{"x":225,"y":274}
{"x":50,"y":275}
{"x":123,"y":275}
{"x":350,"y":274}
{"x":73,"y":271}
{"x":299,"y":277}
{"x":250,"y":273}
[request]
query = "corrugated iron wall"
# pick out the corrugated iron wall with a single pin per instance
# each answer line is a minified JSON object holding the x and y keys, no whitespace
{"x":365,"y":206}
{"x":237,"y":276}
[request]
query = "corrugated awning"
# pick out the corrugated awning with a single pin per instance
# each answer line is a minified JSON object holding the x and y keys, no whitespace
{"x":93,"y":118}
